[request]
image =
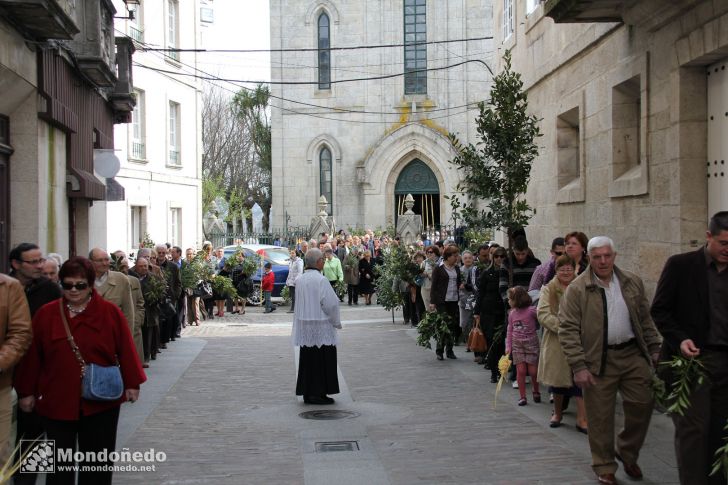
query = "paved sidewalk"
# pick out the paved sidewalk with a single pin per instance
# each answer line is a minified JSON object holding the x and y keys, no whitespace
{"x":221,"y":405}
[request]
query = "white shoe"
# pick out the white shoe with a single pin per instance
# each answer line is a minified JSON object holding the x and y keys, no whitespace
{"x":515,"y":385}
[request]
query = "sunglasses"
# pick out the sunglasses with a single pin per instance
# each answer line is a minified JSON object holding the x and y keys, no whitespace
{"x":499,"y":256}
{"x":81,"y":285}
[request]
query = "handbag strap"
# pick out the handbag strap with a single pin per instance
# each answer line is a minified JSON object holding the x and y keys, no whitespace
{"x":70,"y":339}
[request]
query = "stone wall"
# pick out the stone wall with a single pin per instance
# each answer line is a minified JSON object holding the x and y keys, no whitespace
{"x":624,"y":122}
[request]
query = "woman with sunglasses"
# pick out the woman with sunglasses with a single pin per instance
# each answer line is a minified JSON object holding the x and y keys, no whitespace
{"x":491,"y":312}
{"x":48,"y":379}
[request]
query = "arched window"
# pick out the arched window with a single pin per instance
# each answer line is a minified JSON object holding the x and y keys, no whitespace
{"x":325,"y":178}
{"x":324,"y":52}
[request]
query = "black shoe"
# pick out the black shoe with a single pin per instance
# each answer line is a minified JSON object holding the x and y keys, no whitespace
{"x":451,"y":355}
{"x":440,"y":357}
{"x":318,"y":400}
{"x":493,"y":379}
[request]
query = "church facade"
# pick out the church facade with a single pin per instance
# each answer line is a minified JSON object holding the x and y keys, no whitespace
{"x":364,"y":95}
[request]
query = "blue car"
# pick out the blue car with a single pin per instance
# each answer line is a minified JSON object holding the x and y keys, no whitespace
{"x":277,"y":256}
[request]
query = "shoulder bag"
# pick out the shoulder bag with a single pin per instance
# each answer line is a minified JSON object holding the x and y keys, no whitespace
{"x":476,"y":339}
{"x":98,"y":383}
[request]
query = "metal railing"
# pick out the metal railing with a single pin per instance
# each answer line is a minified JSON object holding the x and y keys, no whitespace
{"x":136,"y":34}
{"x":284,"y":237}
{"x":138,"y":150}
{"x":174,"y":158}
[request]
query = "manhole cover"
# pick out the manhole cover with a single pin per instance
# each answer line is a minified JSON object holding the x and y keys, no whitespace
{"x":324,"y":447}
{"x":328,"y":414}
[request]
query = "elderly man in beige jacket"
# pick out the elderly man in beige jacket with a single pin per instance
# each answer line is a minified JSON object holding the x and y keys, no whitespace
{"x":112,"y":285}
{"x":610,"y":343}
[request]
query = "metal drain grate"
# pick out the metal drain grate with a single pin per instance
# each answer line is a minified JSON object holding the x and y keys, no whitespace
{"x":327,"y":414}
{"x":326,"y":446}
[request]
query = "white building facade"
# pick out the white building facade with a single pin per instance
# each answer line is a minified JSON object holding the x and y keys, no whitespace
{"x":161,"y":149}
{"x":365,"y":144}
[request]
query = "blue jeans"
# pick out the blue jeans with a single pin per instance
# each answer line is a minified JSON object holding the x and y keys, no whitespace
{"x":266,"y":298}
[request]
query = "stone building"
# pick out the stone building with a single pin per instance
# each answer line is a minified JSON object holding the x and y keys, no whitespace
{"x":365,"y":144}
{"x":633,"y":98}
{"x":65,"y":81}
{"x":161,"y":149}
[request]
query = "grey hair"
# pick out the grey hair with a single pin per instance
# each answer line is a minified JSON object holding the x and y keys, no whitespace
{"x":600,"y":242}
{"x":160,"y":245}
{"x":312,"y":257}
{"x":144,"y":253}
{"x":466,"y":252}
{"x":56,"y":257}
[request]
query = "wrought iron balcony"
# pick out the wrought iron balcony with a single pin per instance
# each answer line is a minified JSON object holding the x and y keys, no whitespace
{"x":136,"y":34}
{"x":42,"y":19}
{"x":174,"y":158}
{"x":138,"y":150}
{"x":577,"y":11}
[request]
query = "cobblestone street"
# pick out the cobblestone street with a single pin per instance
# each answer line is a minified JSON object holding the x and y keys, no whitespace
{"x":220,"y":404}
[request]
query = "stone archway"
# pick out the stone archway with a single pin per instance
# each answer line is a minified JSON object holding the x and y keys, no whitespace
{"x":418,"y":179}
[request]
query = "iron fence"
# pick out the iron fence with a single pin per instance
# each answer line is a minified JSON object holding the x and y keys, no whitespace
{"x":284,"y":237}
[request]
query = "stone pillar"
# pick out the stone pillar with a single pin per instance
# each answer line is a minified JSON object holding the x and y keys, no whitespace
{"x":321,"y":222}
{"x":409,"y":224}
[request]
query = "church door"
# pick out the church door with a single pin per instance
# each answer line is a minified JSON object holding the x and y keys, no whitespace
{"x":417,"y":179}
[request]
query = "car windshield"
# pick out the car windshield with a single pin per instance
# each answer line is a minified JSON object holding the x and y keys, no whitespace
{"x":277,"y":256}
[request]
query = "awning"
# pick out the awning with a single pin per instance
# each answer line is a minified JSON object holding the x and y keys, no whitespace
{"x":114,"y":190}
{"x":81,"y":184}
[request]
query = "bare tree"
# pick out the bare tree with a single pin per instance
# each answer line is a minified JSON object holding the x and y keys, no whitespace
{"x":236,"y":159}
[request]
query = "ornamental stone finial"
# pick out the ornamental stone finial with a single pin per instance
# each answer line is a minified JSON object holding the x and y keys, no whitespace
{"x":409,"y":203}
{"x":322,"y":203}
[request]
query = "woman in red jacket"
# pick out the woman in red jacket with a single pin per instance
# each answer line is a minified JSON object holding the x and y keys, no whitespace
{"x":48,"y":379}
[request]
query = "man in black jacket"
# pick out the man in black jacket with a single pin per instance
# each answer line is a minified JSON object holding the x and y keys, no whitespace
{"x":27,"y":262}
{"x":691,"y":311}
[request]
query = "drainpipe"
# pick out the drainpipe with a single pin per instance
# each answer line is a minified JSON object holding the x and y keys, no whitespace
{"x":71,"y":227}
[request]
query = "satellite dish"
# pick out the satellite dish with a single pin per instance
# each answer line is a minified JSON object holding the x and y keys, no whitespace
{"x":106,"y":163}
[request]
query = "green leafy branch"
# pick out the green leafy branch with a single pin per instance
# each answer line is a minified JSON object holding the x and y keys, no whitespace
{"x":721,"y":455}
{"x":688,"y":373}
{"x":433,"y":325}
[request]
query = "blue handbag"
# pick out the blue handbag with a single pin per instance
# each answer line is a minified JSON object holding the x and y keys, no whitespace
{"x":98,"y":382}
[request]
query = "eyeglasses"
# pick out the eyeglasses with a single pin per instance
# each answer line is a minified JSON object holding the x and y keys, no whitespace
{"x":499,"y":256}
{"x":34,"y":262}
{"x":565,"y":269}
{"x":81,"y":285}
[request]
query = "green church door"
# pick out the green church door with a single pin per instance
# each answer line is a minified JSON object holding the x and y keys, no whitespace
{"x":417,"y":179}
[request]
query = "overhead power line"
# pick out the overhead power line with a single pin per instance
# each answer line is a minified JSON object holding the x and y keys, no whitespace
{"x":315,"y":49}
{"x":333,"y":81}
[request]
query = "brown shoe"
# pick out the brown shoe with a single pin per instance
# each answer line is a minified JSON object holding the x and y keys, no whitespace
{"x":607,"y":479}
{"x":632,"y":470}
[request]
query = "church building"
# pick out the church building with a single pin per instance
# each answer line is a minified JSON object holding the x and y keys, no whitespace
{"x":364,"y":94}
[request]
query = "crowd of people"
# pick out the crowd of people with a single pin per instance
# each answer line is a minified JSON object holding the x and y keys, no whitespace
{"x":576,"y":323}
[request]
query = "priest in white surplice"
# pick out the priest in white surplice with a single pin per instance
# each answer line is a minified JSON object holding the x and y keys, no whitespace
{"x":315,"y":322}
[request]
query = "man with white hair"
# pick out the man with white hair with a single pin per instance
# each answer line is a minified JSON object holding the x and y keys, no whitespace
{"x":610,"y":342}
{"x":315,"y":322}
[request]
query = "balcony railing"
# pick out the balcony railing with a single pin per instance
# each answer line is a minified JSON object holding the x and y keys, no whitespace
{"x":174,"y":157}
{"x":173,"y":54}
{"x":136,"y":34}
{"x":138,"y":150}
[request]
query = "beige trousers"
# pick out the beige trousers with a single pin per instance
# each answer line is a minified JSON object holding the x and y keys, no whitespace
{"x":627,"y":372}
{"x":6,"y":416}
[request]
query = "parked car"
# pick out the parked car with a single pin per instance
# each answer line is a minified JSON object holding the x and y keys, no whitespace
{"x":279,"y":259}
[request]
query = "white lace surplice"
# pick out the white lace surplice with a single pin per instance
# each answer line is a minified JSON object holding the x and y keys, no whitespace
{"x":316,"y":316}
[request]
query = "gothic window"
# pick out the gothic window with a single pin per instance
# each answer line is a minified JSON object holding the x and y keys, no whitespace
{"x":325,"y":178}
{"x":324,"y":52}
{"x":415,"y":49}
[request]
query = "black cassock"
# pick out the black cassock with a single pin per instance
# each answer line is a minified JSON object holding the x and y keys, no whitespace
{"x":317,"y":371}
